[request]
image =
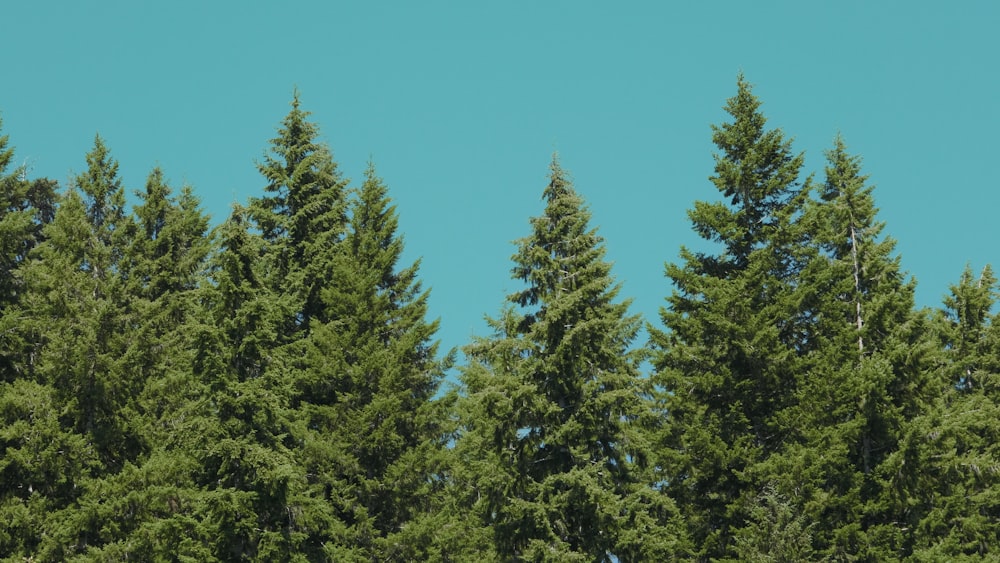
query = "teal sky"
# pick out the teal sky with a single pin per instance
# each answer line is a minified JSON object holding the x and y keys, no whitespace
{"x":461,"y":104}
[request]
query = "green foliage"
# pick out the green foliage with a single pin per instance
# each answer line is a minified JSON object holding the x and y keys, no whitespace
{"x":303,"y":217}
{"x":25,"y":208}
{"x":775,"y":531}
{"x":367,"y":378}
{"x":728,"y":359}
{"x":946,"y":474}
{"x":969,"y":335}
{"x":246,"y":461}
{"x":43,"y":465}
{"x":270,"y":390}
{"x":77,"y":309}
{"x":549,"y":443}
{"x":864,"y":371}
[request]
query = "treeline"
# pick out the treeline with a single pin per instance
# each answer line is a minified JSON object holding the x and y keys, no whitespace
{"x":271,"y":389}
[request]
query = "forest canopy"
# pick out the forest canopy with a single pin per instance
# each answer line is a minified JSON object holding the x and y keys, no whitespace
{"x":270,"y":388}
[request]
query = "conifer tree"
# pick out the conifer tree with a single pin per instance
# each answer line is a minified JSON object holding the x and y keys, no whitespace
{"x":153,"y":508}
{"x":728,"y":358}
{"x":969,"y":335}
{"x":78,"y":311}
{"x":366,"y":381}
{"x":304,"y":214}
{"x":15,"y":226}
{"x":553,"y":457}
{"x":41,"y":462}
{"x":166,"y":264}
{"x":301,"y":222}
{"x":171,"y":246}
{"x":945,"y":474}
{"x":75,"y":321}
{"x":860,"y":374}
{"x":104,"y":198}
{"x":256,"y":493}
{"x":26,"y":206}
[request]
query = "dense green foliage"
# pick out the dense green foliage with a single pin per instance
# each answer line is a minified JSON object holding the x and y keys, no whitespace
{"x":552,"y":445}
{"x":270,"y":389}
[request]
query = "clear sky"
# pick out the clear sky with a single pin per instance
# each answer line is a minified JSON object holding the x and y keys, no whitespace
{"x":461,"y":104}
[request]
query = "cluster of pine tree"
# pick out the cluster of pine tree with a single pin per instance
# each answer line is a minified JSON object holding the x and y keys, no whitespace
{"x":270,"y":389}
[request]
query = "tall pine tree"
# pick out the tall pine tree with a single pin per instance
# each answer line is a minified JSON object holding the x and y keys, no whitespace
{"x":367,"y":379}
{"x":26,"y":206}
{"x":727,"y":360}
{"x":554,"y":457}
{"x":860,"y":376}
{"x":42,"y":463}
{"x":303,"y":216}
{"x":257,"y":499}
{"x":77,"y":322}
{"x":79,"y":307}
{"x":945,"y":475}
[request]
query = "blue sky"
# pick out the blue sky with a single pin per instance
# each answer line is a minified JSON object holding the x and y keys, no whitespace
{"x":461,"y":104}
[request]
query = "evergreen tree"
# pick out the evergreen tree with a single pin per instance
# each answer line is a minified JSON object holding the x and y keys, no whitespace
{"x":553,"y":456}
{"x":969,"y":336}
{"x":166,"y":266}
{"x":153,"y":508}
{"x":734,"y":329}
{"x":303,"y":217}
{"x":41,"y":462}
{"x":104,"y":198}
{"x":171,"y":246}
{"x":77,"y":308}
{"x":860,"y":371}
{"x":74,"y":327}
{"x":272,"y":289}
{"x":945,"y":474}
{"x":26,"y":206}
{"x":256,"y":493}
{"x":369,"y":376}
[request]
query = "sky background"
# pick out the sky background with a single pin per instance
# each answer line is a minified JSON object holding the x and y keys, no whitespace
{"x":461,"y":105}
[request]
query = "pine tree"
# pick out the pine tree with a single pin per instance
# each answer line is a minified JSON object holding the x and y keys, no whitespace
{"x":369,"y":375}
{"x":862,"y":374}
{"x":727,"y":361}
{"x":75,"y":327}
{"x":256,"y":493}
{"x":77,"y":307}
{"x":304,"y":216}
{"x":166,"y":266}
{"x":945,"y":473}
{"x":552,"y":451}
{"x":26,"y":206}
{"x":271,"y":296}
{"x":15,"y":226}
{"x":153,"y":508}
{"x":969,"y":335}
{"x":104,"y":198}
{"x":40,"y":461}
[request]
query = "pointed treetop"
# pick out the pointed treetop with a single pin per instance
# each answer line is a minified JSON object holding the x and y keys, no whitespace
{"x":757,"y":171}
{"x":302,"y":179}
{"x":843,"y":172}
{"x":102,"y":189}
{"x":748,"y":124}
{"x":559,"y":182}
{"x":970,"y":300}
{"x":6,"y":154}
{"x":101,"y":176}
